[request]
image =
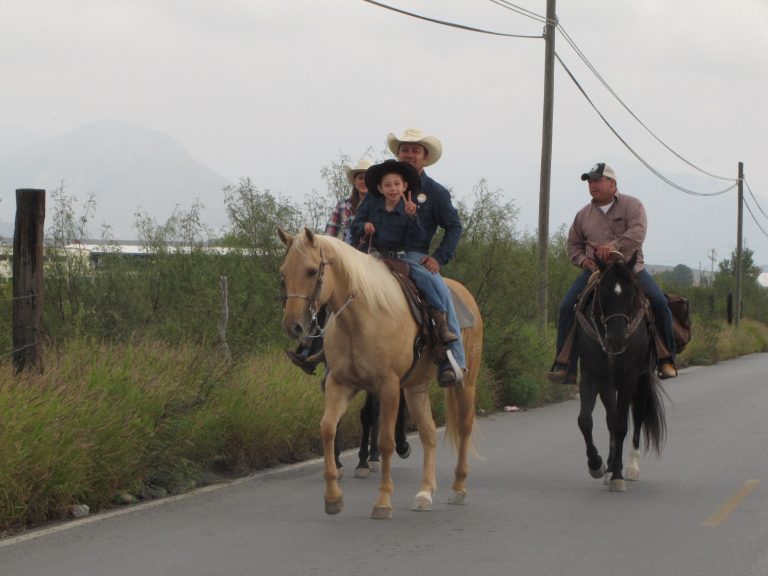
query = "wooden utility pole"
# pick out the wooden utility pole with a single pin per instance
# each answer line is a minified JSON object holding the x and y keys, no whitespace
{"x":28,"y":279}
{"x":739,"y":258}
{"x":546,"y":165}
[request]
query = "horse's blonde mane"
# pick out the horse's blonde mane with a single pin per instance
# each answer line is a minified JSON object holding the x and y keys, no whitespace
{"x":368,"y":279}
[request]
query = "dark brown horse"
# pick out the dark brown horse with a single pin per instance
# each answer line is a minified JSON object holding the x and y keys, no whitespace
{"x":614,"y":340}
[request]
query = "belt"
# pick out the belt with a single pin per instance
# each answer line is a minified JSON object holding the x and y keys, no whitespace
{"x":392,"y":253}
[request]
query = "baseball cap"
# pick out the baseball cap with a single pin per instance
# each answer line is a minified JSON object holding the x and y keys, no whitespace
{"x":598,"y":170}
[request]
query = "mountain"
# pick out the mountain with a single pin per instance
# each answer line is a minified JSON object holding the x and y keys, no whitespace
{"x":128,"y":168}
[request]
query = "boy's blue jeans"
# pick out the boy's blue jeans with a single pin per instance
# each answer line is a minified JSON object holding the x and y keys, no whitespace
{"x":438,"y":296}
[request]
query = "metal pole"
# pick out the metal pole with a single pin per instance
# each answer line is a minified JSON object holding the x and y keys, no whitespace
{"x":546,"y":165}
{"x":739,"y":258}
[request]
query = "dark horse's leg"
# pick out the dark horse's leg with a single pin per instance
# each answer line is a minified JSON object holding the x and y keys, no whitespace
{"x":402,"y":447}
{"x":367,"y":420}
{"x":588,"y":394}
{"x":618,"y":434}
{"x":337,"y":448}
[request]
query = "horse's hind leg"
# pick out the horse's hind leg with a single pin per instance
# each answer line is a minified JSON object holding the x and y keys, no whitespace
{"x":402,"y":447}
{"x":374,"y":459}
{"x":337,"y":451}
{"x":633,"y":465}
{"x":336,"y":402}
{"x":460,"y":417}
{"x":417,"y":399}
{"x":366,"y":421}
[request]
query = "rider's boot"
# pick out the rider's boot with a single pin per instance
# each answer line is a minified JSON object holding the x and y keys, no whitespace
{"x":440,"y":318}
{"x":308,"y":355}
{"x":449,"y":372}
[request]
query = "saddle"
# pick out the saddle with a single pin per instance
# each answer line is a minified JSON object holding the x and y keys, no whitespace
{"x":419,"y":310}
{"x":585,"y":316}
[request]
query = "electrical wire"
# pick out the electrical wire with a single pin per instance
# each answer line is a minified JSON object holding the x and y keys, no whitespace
{"x":589,"y":65}
{"x":522,"y":11}
{"x":754,"y":198}
{"x":746,"y":204}
{"x":451,"y":24}
{"x":635,"y":154}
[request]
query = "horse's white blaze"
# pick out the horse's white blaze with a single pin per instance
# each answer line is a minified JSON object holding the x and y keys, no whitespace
{"x":617,"y":289}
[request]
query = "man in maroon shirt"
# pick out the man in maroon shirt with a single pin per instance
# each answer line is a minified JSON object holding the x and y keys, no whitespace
{"x":611,"y":222}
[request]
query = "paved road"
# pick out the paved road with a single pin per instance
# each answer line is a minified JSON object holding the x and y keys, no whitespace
{"x":701,"y":509}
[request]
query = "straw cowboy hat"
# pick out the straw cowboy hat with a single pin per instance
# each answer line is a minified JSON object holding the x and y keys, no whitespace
{"x":376,"y":173}
{"x":431,"y":144}
{"x":362,"y":166}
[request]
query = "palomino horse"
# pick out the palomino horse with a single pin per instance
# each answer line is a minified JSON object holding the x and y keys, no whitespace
{"x":618,"y":363}
{"x":369,"y":345}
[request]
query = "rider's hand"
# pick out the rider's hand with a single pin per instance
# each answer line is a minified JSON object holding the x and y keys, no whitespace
{"x":589,"y":264}
{"x":604,"y":252}
{"x":410,"y":206}
{"x":369,"y":229}
{"x":430,"y":264}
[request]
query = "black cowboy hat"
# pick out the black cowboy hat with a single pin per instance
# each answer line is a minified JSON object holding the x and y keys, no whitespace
{"x":376,"y":173}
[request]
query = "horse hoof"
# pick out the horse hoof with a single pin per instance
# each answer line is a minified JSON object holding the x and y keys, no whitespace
{"x":362,"y":473}
{"x":381,"y":513}
{"x":457,"y":497}
{"x":334,"y":507}
{"x":600,"y":472}
{"x":632,"y":474}
{"x":422,"y":501}
{"x":403,"y":451}
{"x":374,"y":465}
{"x":617,"y":486}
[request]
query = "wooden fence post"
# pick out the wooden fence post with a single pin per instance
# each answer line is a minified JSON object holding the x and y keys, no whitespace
{"x":28,"y":279}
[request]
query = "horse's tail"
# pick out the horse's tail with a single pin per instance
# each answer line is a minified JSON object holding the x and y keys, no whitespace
{"x":648,"y":408}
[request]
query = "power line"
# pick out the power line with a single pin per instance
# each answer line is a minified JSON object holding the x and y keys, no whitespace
{"x":589,"y":65}
{"x":754,"y":198}
{"x":451,"y":24}
{"x":522,"y":11}
{"x":746,"y":204}
{"x":635,"y":154}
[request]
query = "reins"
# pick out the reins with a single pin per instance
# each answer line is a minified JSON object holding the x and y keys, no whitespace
{"x":589,"y":325}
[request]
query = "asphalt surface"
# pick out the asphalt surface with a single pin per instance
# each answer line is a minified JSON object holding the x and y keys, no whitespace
{"x":532,"y":509}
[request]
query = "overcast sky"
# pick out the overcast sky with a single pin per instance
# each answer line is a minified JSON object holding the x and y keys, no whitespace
{"x":275,"y":89}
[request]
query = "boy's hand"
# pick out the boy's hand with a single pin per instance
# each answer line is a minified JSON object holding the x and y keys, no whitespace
{"x":410,"y":206}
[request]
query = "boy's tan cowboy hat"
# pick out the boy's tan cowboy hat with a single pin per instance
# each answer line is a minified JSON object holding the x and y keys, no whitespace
{"x":431,"y":144}
{"x":362,"y":166}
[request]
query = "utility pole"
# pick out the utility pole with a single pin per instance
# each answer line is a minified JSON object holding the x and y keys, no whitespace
{"x":546,"y":164}
{"x":739,"y":259}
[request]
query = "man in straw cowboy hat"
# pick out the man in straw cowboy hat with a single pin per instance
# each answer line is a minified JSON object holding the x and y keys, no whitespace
{"x":435,"y":209}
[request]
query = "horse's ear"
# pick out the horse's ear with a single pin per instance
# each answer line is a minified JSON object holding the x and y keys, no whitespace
{"x":310,"y":235}
{"x":601,"y":265}
{"x":285,"y":238}
{"x":632,"y":261}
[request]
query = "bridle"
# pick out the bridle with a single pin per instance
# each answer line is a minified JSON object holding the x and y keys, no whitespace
{"x":312,"y":298}
{"x":591,"y":328}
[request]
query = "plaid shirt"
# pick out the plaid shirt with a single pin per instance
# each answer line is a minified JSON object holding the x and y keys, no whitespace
{"x":341,"y":221}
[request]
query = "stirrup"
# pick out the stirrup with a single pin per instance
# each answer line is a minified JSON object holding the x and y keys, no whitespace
{"x":451,"y":376}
